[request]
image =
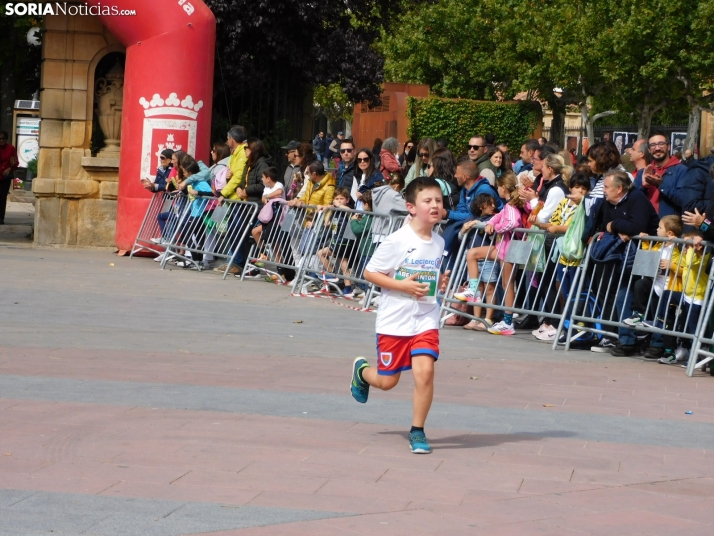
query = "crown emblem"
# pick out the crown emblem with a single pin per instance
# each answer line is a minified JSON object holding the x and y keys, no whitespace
{"x":171,"y":106}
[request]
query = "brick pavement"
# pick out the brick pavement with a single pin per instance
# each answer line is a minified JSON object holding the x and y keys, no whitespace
{"x":135,"y":401}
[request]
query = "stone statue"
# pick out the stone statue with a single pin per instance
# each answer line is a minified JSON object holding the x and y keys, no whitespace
{"x":109,"y":92}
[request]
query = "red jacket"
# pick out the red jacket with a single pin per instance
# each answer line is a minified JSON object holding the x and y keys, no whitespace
{"x":8,"y":159}
{"x":388,"y":163}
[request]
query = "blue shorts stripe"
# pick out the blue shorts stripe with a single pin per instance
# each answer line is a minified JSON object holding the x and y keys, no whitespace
{"x":393,"y":372}
{"x":425,"y":351}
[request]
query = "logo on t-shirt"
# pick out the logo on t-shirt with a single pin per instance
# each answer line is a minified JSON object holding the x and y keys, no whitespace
{"x":386,"y":358}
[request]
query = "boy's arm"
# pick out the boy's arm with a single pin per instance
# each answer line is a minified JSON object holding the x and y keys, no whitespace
{"x":408,"y":285}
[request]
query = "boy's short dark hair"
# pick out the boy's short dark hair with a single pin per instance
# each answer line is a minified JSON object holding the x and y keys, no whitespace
{"x":271,"y":173}
{"x":366,"y":198}
{"x":417,"y":185}
{"x":344,"y":192}
{"x":581,"y":180}
{"x":673,"y":224}
{"x":480,"y":201}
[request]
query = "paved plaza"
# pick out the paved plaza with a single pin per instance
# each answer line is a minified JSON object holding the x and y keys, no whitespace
{"x":135,"y":401}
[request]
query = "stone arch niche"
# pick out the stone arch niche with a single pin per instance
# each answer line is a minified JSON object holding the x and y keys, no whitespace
{"x":97,"y":200}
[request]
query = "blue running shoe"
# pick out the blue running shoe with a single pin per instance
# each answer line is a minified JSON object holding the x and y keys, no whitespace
{"x":417,"y":441}
{"x":359,"y":387}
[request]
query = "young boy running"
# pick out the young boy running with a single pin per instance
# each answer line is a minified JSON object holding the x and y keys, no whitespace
{"x":406,"y":266}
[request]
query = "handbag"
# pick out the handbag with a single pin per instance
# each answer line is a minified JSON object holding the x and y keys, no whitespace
{"x":610,"y":248}
{"x":572,"y":248}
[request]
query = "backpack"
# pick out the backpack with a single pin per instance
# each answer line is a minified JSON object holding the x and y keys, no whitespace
{"x":451,"y":196}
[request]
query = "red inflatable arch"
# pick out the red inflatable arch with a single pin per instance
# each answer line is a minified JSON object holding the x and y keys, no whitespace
{"x":168,"y":93}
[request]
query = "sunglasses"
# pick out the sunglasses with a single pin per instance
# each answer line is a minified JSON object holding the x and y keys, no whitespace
{"x":163,"y":157}
{"x":409,"y":147}
{"x":476,"y":147}
{"x":424,"y":155}
{"x":363,"y":160}
{"x":346,"y":150}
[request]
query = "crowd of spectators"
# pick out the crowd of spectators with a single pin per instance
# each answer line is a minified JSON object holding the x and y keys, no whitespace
{"x":534,"y":186}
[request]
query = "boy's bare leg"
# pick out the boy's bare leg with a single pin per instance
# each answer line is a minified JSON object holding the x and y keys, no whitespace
{"x":385,"y":383}
{"x":423,"y":370}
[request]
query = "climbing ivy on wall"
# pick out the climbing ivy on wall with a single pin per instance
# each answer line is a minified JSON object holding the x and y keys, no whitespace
{"x":456,"y":120}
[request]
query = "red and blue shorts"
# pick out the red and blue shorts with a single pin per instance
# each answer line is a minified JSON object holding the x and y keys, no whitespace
{"x":394,"y":353}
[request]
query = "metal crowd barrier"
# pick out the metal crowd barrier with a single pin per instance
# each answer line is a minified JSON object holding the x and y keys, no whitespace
{"x":211,"y":228}
{"x":284,"y":241}
{"x":533,"y":255}
{"x":336,"y":252}
{"x":704,"y":344}
{"x":608,"y":291}
{"x":150,"y":237}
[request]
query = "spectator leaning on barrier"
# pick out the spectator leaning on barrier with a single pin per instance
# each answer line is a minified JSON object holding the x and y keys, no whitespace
{"x":258,"y":161}
{"x":626,"y":212}
{"x":472,"y":185}
{"x":236,"y":141}
{"x":162,"y":173}
{"x":320,"y":187}
{"x":388,"y":162}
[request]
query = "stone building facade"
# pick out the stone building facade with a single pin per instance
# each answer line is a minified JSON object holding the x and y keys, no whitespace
{"x":76,"y":192}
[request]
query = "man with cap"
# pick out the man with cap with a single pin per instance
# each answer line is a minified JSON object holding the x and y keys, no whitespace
{"x":335,"y":148}
{"x":292,"y":168}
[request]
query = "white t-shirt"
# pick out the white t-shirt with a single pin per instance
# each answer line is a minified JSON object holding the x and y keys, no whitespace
{"x":400,"y":255}
{"x":278,"y":186}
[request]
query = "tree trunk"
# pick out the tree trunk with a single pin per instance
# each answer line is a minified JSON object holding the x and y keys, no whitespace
{"x":557,"y":127}
{"x":645,"y":122}
{"x":348,"y":128}
{"x":695,"y":119}
{"x":585,"y":115}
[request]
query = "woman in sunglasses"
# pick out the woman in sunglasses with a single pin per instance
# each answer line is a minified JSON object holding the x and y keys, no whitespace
{"x":367,"y":172}
{"x":425,"y":150}
{"x":162,"y":173}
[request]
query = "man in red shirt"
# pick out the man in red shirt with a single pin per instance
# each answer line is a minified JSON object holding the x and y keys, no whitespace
{"x":8,"y":162}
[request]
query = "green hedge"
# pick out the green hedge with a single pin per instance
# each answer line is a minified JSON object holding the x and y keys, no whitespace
{"x":456,"y":120}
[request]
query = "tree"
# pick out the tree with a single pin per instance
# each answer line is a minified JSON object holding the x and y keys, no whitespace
{"x":19,"y":63}
{"x":334,"y":104}
{"x":695,"y":64}
{"x":315,"y":43}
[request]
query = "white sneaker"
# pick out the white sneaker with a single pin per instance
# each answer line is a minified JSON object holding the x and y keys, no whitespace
{"x":604,"y":346}
{"x":375,"y":301}
{"x":541,"y":329}
{"x":502,"y":328}
{"x":161,"y":257}
{"x":468,"y":296}
{"x":548,"y":334}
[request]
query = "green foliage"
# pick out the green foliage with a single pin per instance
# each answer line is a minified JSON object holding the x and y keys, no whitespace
{"x":32,"y":167}
{"x":456,"y":120}
{"x":332,"y":101}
